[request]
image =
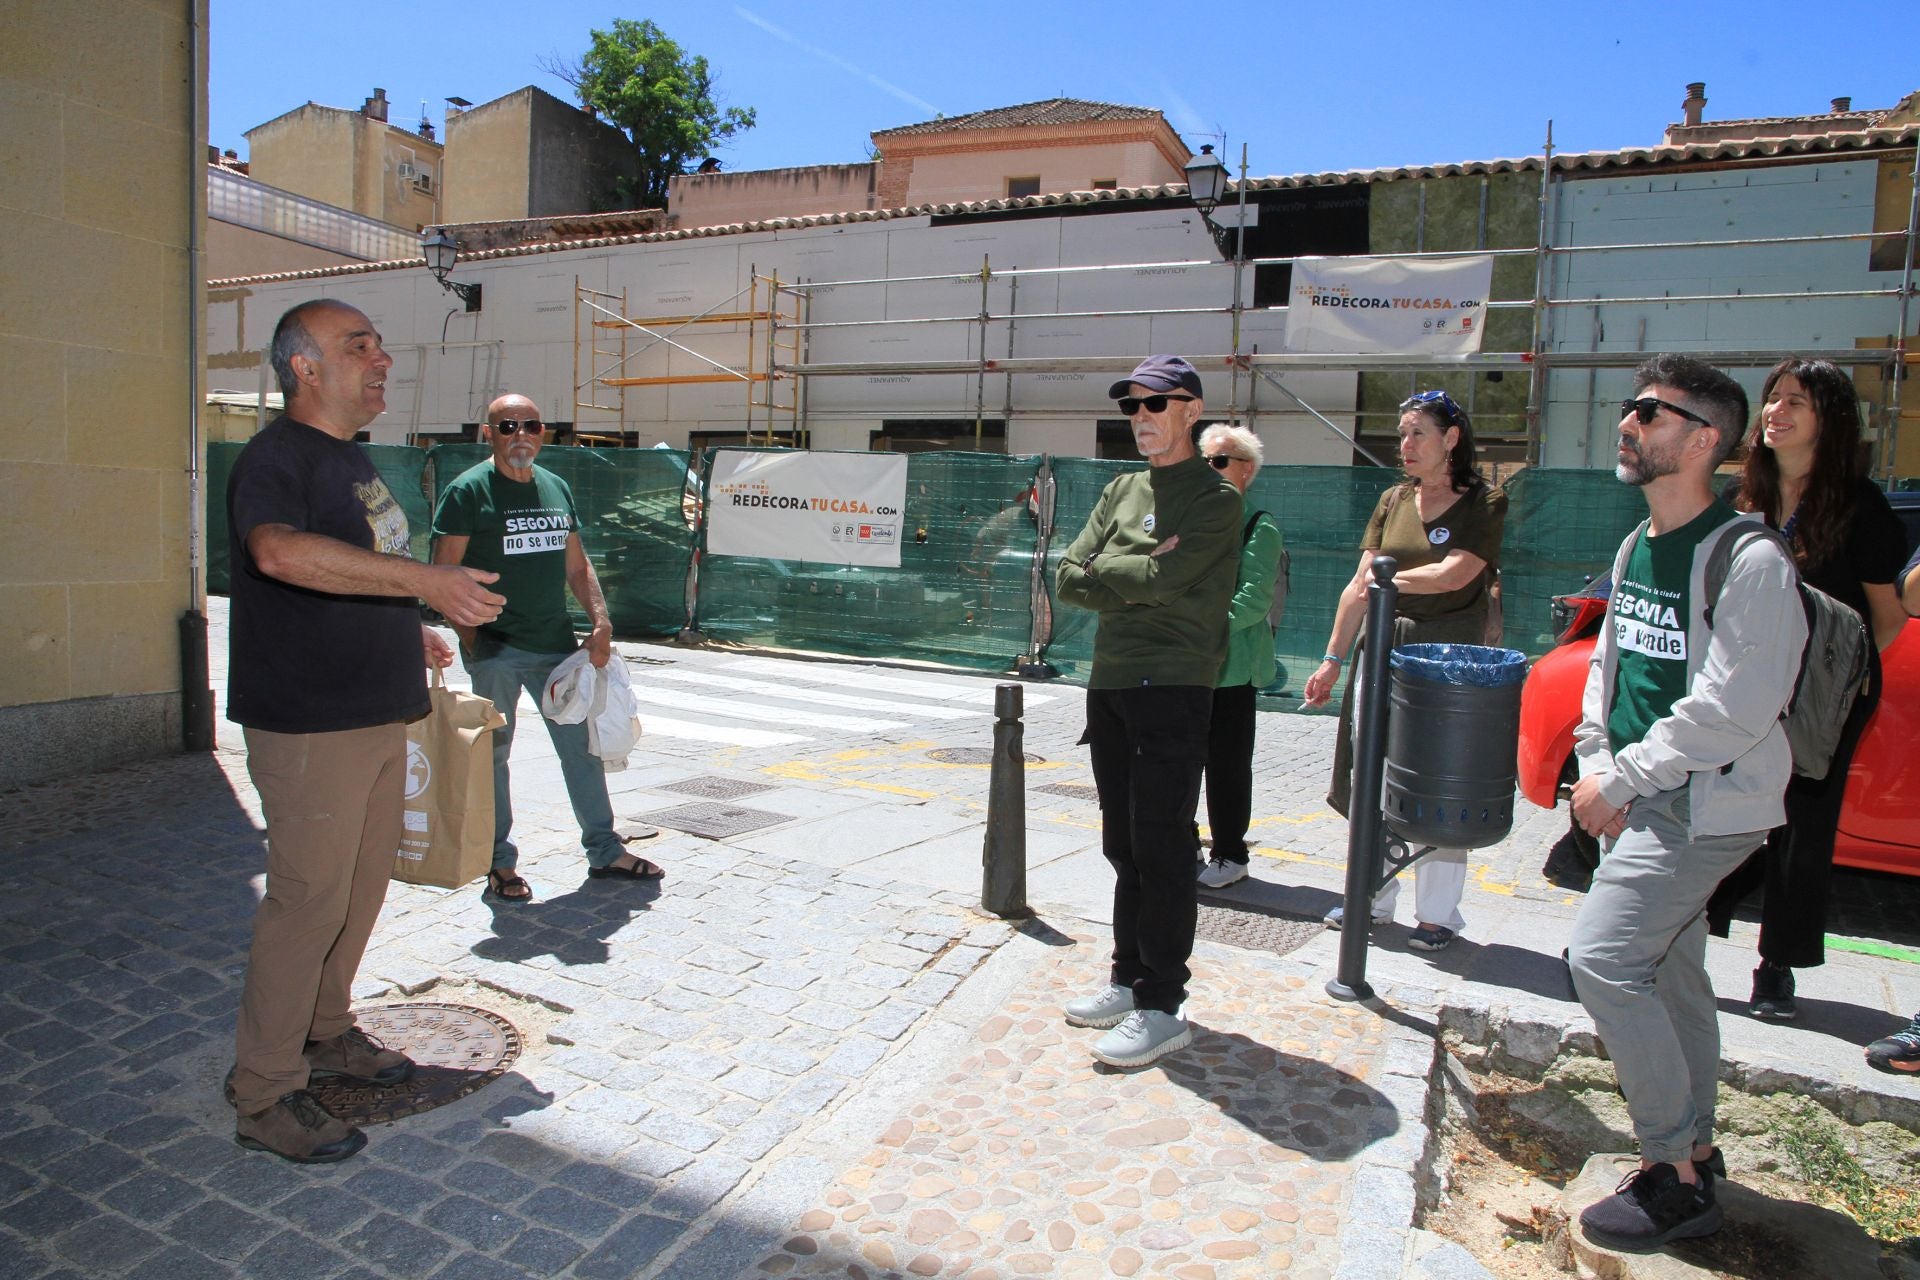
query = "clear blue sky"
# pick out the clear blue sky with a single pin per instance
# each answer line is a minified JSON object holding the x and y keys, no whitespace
{"x":1308,"y":88}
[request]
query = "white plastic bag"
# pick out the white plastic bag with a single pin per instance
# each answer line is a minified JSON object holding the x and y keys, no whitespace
{"x":602,"y":697}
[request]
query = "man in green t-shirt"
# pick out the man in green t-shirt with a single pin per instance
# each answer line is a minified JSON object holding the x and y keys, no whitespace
{"x":513,"y":518}
{"x":1683,"y":766}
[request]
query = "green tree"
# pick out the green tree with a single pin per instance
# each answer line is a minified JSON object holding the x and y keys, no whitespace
{"x":645,"y":84}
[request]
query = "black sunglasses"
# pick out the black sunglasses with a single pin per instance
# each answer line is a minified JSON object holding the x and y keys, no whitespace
{"x":1152,"y":404}
{"x":1221,"y":461}
{"x":1647,"y":408}
{"x":512,"y":426}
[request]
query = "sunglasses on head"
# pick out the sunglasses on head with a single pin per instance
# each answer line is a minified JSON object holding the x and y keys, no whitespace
{"x":1439,"y":399}
{"x":1221,"y":461}
{"x":512,"y":426}
{"x":1647,"y":408}
{"x":1130,"y":405}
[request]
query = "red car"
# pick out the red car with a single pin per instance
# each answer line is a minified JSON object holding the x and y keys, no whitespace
{"x":1880,"y":817}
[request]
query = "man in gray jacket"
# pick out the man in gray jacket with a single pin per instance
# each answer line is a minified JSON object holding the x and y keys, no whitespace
{"x":1683,"y":762}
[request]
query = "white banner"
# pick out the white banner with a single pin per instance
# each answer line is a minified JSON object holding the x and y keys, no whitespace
{"x":833,"y":508}
{"x":1351,"y":306}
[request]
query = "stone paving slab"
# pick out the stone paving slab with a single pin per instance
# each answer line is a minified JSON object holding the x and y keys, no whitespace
{"x":1248,"y":1155}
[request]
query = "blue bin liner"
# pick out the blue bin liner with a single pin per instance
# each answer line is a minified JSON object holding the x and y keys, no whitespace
{"x":1462,"y":664}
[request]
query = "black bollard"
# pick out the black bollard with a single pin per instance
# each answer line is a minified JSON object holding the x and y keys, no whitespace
{"x":1364,"y":827}
{"x":1003,"y":856}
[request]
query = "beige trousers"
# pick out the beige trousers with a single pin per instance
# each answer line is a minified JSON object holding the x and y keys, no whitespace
{"x":332,"y":803}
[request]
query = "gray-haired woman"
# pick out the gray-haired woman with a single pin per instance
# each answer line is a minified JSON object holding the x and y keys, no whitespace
{"x":1235,"y":453}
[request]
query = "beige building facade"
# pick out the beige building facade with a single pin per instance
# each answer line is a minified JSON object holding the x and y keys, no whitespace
{"x":527,"y":154}
{"x":102,"y":188}
{"x":353,"y":159}
{"x":1037,"y":148}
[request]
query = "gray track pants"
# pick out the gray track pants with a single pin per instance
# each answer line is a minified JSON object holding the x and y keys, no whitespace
{"x":1639,"y":963}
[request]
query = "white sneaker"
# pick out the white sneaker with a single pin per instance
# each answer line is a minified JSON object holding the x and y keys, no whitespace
{"x":1103,"y":1008}
{"x":1338,"y":916}
{"x":1143,"y":1036}
{"x":1220,"y":873}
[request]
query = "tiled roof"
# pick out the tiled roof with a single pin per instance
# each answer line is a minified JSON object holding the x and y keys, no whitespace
{"x":1051,"y":111}
{"x":1834,"y":145}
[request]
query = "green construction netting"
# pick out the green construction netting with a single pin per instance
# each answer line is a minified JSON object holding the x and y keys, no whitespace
{"x":1562,"y":529}
{"x":633,"y":512}
{"x":960,"y":596}
{"x":401,"y":466}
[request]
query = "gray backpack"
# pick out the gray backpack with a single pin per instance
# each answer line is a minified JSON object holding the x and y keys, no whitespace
{"x":1833,"y":666}
{"x":1282,"y":571}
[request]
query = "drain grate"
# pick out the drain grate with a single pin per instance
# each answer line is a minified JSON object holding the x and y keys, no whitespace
{"x":1071,"y":790}
{"x":972,"y":755}
{"x":714,"y":821}
{"x":714,"y":787}
{"x":1256,"y":928}
{"x":456,"y":1049}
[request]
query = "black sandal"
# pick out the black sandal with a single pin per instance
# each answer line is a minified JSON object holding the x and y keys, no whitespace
{"x":640,"y":870}
{"x":509,"y":887}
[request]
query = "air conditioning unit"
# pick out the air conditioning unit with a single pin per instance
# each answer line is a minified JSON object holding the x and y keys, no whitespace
{"x":406,"y":170}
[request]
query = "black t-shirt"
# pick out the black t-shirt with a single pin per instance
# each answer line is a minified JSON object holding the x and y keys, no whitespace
{"x":305,"y":661}
{"x":1872,"y":552}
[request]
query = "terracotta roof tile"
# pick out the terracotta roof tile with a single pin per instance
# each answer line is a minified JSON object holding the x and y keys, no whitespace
{"x":1837,"y":145}
{"x":1050,"y":111}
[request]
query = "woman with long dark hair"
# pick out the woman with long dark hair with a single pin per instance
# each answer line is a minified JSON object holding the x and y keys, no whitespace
{"x":1442,"y":526}
{"x":1803,"y":473}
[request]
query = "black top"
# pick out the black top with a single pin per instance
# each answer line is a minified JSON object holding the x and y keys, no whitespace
{"x":1872,"y":552}
{"x":305,"y":661}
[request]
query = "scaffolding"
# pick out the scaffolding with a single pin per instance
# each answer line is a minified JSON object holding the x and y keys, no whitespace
{"x":1538,"y":361}
{"x":604,"y":334}
{"x":779,"y":317}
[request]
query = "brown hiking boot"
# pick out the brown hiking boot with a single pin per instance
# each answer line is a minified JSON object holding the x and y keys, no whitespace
{"x":355,"y":1055}
{"x":298,"y":1128}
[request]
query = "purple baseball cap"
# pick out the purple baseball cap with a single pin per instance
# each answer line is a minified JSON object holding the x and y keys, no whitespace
{"x":1162,"y":373}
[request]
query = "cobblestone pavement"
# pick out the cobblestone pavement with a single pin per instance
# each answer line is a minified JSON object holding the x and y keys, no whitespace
{"x":802,"y":1052}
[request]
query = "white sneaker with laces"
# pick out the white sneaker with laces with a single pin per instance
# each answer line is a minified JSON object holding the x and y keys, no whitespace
{"x":1143,"y":1036}
{"x":1220,"y":873}
{"x":1338,"y":916}
{"x":1103,"y":1008}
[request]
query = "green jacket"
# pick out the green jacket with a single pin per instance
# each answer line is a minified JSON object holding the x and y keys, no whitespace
{"x":1163,"y":619}
{"x":1249,"y":638}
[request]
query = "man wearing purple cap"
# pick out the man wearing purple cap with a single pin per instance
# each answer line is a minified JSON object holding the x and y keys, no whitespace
{"x":1158,"y":561}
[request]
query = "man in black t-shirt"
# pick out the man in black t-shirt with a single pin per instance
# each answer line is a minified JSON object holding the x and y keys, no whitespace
{"x":325,"y":670}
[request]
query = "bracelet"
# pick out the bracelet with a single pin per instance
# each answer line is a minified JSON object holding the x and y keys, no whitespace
{"x":1334,"y":658}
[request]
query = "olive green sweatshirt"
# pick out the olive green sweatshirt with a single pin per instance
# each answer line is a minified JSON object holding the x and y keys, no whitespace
{"x":1163,"y":618}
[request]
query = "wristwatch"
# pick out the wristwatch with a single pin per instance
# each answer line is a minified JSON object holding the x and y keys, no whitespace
{"x":1086,"y":566}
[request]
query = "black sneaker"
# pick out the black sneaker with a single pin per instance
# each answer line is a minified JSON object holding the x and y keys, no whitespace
{"x":1714,"y":1166}
{"x":1773,"y":993}
{"x":1898,"y":1053}
{"x":1650,"y":1208}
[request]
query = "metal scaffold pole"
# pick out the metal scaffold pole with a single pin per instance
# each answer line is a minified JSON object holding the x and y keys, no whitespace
{"x":1542,"y":282}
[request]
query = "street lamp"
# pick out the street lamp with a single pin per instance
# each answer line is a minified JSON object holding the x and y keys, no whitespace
{"x":1206,"y":183}
{"x":440,"y":252}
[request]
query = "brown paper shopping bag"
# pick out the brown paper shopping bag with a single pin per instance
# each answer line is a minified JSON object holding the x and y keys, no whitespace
{"x":447,"y":837}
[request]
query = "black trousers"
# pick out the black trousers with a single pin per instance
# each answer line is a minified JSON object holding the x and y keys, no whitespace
{"x":1149,"y":746}
{"x":1230,"y":772}
{"x":1796,"y":862}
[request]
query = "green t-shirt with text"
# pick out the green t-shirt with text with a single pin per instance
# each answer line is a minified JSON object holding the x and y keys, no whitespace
{"x":1650,"y":609}
{"x":517,"y":529}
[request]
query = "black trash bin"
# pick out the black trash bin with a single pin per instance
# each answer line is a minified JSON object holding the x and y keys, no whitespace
{"x":1452,"y":733}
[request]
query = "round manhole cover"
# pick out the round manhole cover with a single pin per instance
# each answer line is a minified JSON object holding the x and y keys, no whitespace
{"x":456,"y":1049}
{"x":971,"y":755}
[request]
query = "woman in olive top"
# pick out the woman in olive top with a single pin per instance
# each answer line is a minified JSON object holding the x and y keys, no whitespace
{"x":1803,"y":474}
{"x":1442,"y":527}
{"x":1235,"y":453}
